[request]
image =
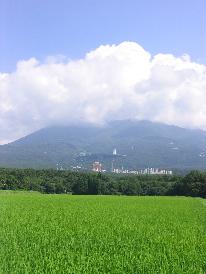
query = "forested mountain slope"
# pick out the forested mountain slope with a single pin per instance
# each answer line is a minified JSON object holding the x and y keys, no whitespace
{"x":139,"y":144}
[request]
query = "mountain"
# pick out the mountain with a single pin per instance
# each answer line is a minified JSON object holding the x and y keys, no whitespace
{"x":139,"y":144}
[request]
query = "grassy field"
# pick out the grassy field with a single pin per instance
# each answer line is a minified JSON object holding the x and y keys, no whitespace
{"x":101,"y":234}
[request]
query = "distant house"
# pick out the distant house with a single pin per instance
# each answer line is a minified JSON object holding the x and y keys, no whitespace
{"x":97,"y":166}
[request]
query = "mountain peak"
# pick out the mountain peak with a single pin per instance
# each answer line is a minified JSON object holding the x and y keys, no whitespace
{"x":144,"y":143}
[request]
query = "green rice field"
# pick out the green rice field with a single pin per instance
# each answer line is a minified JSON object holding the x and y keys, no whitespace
{"x":42,"y":233}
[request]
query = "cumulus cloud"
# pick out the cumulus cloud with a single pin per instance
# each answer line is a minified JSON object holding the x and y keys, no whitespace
{"x":112,"y":82}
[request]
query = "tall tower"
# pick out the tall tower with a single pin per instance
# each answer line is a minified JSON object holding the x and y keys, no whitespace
{"x":114,"y":151}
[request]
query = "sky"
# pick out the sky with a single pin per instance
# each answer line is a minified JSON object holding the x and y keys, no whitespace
{"x":65,"y":61}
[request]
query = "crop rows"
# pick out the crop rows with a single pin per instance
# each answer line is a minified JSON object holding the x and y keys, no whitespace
{"x":101,"y":234}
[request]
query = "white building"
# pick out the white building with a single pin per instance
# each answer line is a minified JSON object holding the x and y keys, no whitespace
{"x":114,"y":151}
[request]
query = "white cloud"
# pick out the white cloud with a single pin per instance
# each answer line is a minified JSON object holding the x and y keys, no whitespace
{"x":111,"y":82}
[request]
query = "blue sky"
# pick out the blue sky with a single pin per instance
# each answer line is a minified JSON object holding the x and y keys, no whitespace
{"x":125,"y":71}
{"x":40,"y":28}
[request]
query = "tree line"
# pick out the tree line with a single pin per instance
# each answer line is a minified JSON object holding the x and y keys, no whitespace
{"x":53,"y":181}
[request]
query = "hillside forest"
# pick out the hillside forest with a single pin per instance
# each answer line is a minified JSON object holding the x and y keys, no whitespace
{"x":54,"y":181}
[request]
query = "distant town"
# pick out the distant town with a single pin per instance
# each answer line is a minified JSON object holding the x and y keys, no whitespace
{"x":97,"y":166}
